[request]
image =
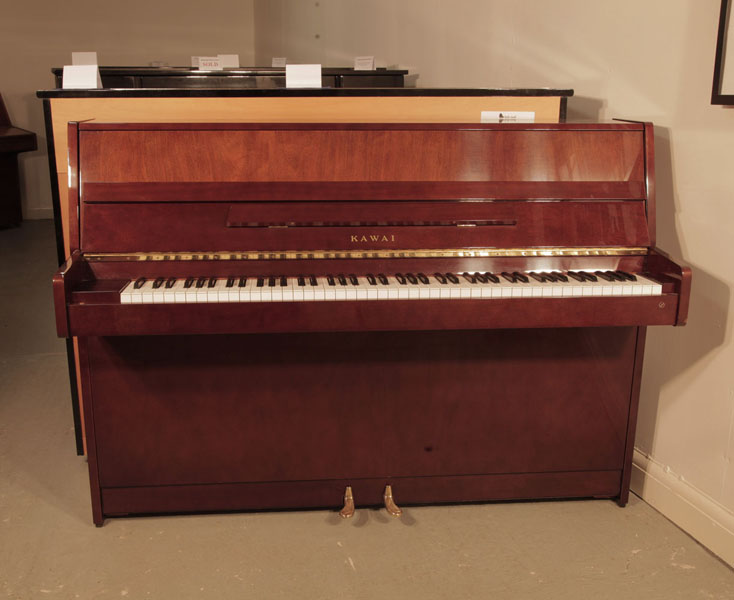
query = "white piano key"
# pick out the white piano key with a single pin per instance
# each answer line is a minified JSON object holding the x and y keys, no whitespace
{"x":127,"y":293}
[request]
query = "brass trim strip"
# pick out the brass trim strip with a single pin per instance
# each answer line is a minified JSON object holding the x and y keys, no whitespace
{"x":365,"y":254}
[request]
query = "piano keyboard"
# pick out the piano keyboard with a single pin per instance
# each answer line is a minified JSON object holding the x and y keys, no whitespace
{"x":407,"y":286}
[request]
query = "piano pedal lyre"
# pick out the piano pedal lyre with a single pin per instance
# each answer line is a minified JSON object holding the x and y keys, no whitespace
{"x":390,"y":505}
{"x":348,"y":510}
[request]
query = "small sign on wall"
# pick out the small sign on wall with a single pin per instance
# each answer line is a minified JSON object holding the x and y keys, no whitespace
{"x":210,"y":63}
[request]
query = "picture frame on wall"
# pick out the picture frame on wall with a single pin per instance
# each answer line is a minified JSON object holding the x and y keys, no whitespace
{"x":723,"y":88}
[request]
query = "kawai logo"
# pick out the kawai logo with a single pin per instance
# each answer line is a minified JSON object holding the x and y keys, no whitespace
{"x":375,"y":238}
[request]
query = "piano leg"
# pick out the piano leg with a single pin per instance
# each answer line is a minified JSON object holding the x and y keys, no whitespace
{"x":632,"y":420}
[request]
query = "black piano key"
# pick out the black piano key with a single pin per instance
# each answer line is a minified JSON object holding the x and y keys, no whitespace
{"x":260,"y":281}
{"x":283,"y":281}
{"x":382,"y":278}
{"x":401,"y":278}
{"x":158,"y":283}
{"x":212,"y":282}
{"x":170,"y":283}
{"x":480,"y":278}
{"x":411,"y":278}
{"x":271,"y":281}
{"x":509,"y":276}
{"x":469,"y":277}
{"x":588,"y":276}
{"x":552,"y":277}
{"x":200,"y":282}
{"x":576,"y":276}
{"x":243,"y":282}
{"x":330,"y":279}
{"x":371,"y":279}
{"x":312,"y":280}
{"x":492,"y":277}
{"x":559,"y":276}
{"x":189,"y":282}
{"x":139,"y":282}
{"x":230,"y":281}
{"x":440,"y":278}
{"x":539,"y":277}
{"x":342,"y":280}
{"x":627,"y":276}
{"x":353,"y":279}
{"x":422,"y":278}
{"x":301,"y":281}
{"x":604,"y":276}
{"x":452,"y":278}
{"x":521,"y":277}
{"x":615,"y":276}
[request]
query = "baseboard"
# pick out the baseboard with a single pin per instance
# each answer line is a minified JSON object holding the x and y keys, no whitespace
{"x":32,"y":214}
{"x":694,"y":512}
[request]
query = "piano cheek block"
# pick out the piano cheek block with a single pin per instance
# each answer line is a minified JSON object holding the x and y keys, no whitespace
{"x":320,"y":318}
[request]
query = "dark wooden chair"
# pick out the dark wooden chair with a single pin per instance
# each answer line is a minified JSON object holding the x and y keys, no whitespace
{"x":13,"y":140}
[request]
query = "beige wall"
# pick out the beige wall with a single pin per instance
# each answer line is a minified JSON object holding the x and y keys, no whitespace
{"x":649,"y":60}
{"x":38,"y":35}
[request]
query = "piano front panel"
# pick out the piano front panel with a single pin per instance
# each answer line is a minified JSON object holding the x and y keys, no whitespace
{"x":191,"y":410}
{"x":200,"y":227}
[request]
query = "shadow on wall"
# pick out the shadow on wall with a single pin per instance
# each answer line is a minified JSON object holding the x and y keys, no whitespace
{"x":584,"y":108}
{"x":673,"y":350}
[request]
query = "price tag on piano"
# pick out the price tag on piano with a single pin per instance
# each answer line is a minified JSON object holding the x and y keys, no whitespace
{"x":364,"y":63}
{"x":210,"y":63}
{"x":81,"y":77}
{"x":279,"y":62}
{"x":507,"y":116}
{"x":303,"y":76}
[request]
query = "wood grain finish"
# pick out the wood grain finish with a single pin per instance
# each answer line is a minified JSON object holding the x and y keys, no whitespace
{"x":376,"y":406}
{"x":353,"y":155}
{"x":281,"y":405}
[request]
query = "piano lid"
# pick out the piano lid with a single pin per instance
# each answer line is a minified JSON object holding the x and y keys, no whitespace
{"x":251,"y":188}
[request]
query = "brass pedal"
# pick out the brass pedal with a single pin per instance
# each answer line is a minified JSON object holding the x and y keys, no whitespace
{"x":348,"y":510}
{"x":390,"y":505}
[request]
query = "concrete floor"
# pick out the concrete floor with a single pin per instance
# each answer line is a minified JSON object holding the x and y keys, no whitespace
{"x":50,"y":549}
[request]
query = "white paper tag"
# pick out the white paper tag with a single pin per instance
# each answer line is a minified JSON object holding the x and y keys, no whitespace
{"x":279,"y":62}
{"x":81,"y":77}
{"x":229,"y":61}
{"x":364,"y":63}
{"x":507,"y":116}
{"x":303,"y":76}
{"x":210,"y":63}
{"x":84,"y":58}
{"x":195,"y":62}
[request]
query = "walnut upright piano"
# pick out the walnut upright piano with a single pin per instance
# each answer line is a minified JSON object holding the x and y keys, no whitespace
{"x":270,"y":313}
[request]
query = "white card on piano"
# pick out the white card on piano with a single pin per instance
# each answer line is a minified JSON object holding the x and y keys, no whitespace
{"x":210,"y":63}
{"x":279,"y":61}
{"x":507,"y":116}
{"x":303,"y":76}
{"x":230,"y":61}
{"x":84,"y":58}
{"x":81,"y":77}
{"x":364,"y":63}
{"x":195,"y":62}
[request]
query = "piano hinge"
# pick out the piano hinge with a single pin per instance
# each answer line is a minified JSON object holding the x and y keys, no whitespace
{"x":367,"y":254}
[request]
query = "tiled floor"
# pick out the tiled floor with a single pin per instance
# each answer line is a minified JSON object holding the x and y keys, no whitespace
{"x":50,"y":549}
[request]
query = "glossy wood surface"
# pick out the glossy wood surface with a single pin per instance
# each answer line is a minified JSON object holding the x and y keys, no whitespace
{"x":281,"y":405}
{"x":376,"y":406}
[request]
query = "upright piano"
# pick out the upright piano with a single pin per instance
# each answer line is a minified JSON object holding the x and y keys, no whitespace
{"x":280,"y":316}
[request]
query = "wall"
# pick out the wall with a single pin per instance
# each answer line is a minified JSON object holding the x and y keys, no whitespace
{"x":35,"y":36}
{"x":648,"y":60}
